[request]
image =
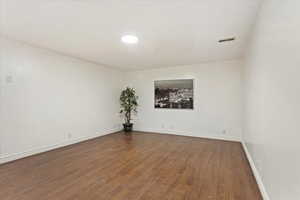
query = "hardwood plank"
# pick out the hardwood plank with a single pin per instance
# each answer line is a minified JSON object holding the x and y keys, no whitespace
{"x":142,"y":166}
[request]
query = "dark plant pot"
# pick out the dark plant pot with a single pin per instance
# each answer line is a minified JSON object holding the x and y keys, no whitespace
{"x":128,"y":127}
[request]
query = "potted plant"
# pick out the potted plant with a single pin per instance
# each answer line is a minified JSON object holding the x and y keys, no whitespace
{"x":129,"y":104}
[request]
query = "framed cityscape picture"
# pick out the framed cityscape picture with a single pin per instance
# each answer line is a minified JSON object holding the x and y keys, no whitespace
{"x":174,"y":94}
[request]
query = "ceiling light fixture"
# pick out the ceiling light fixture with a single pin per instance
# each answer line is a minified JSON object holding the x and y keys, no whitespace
{"x":130,"y":39}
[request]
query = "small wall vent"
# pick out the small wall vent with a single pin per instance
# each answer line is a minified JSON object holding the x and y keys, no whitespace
{"x":227,"y":40}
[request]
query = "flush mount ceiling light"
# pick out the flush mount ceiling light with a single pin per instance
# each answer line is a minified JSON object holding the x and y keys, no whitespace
{"x":130,"y":39}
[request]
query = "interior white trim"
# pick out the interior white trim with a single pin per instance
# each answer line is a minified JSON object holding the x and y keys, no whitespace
{"x":257,"y":176}
{"x":190,"y":134}
{"x":16,"y":156}
{"x":19,"y":155}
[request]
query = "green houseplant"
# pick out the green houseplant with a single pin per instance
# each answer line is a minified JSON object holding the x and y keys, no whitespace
{"x":129,"y":104}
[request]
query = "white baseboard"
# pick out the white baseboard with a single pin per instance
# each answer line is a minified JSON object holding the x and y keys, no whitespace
{"x":19,"y":155}
{"x":16,"y":156}
{"x":200,"y":135}
{"x":256,"y":173}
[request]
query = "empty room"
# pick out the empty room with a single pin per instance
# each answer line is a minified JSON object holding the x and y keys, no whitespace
{"x":149,"y":100}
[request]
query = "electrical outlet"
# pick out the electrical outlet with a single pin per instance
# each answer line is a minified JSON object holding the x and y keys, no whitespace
{"x":116,"y":126}
{"x":224,"y":132}
{"x":70,"y":135}
{"x":259,"y":165}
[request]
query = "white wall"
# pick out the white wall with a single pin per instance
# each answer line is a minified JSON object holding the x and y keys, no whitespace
{"x":217,"y":101}
{"x":49,"y":100}
{"x":272,"y":94}
{"x":51,"y":96}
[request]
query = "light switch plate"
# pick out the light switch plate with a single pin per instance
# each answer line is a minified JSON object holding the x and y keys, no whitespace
{"x":9,"y":79}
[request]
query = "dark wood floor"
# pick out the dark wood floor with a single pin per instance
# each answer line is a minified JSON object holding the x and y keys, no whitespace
{"x":139,"y":167}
